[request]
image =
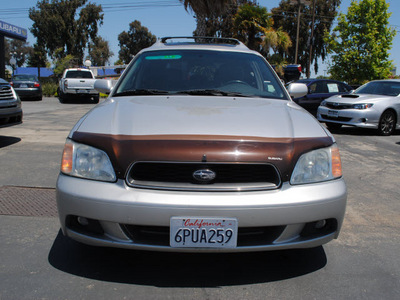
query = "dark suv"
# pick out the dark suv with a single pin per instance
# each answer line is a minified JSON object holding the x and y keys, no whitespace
{"x":10,"y":105}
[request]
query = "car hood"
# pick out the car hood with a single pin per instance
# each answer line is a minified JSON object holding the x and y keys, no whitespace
{"x":198,"y":115}
{"x":198,"y":128}
{"x":358,"y":98}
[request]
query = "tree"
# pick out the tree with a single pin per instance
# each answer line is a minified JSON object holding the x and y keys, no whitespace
{"x":137,"y":38}
{"x":99,"y":52}
{"x":285,"y":17}
{"x":204,"y":9}
{"x":250,"y":25}
{"x":254,"y":27}
{"x":360,"y":43}
{"x":63,"y":63}
{"x":20,"y":50}
{"x":56,"y":27}
{"x":222,"y":26}
{"x":38,"y":58}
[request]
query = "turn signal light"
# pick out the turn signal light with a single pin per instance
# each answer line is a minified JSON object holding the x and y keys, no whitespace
{"x":67,"y":159}
{"x":336,"y":163}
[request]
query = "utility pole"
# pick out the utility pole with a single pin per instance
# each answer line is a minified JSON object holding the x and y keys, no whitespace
{"x":299,"y":3}
{"x":311,"y":41}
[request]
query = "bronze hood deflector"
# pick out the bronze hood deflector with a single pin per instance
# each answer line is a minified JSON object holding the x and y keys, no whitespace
{"x":124,"y":150}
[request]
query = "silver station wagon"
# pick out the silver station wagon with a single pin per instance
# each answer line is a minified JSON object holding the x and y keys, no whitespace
{"x":199,"y":148}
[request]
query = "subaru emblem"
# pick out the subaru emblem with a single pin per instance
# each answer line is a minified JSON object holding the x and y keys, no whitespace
{"x":204,"y":175}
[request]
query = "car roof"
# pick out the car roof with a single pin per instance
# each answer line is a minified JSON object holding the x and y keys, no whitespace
{"x":311,"y":80}
{"x":196,"y":43}
{"x":386,"y":80}
{"x":78,"y":69}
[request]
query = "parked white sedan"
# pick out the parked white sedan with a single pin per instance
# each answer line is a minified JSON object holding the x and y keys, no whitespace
{"x":374,"y":105}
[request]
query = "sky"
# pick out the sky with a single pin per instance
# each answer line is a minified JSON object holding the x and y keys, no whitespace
{"x":164,"y":18}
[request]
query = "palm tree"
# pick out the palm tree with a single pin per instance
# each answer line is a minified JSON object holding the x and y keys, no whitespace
{"x":204,"y":9}
{"x":254,"y":27}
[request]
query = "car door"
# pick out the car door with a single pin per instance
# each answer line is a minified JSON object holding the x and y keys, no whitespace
{"x":317,"y":91}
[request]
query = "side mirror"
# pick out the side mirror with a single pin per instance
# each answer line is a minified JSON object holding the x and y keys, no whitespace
{"x":104,"y":85}
{"x":297,"y":90}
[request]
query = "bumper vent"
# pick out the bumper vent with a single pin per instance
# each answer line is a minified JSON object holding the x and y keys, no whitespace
{"x":159,"y":236}
{"x":341,"y":119}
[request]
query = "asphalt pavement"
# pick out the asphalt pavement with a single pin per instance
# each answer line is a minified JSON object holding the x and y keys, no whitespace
{"x":38,"y":262}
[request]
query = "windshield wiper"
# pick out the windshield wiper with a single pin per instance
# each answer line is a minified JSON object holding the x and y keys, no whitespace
{"x":211,"y":93}
{"x":140,"y":92}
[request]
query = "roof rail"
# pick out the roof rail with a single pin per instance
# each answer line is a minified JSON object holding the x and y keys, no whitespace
{"x":204,"y":40}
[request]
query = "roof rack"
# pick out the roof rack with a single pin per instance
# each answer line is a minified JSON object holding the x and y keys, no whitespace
{"x":203,"y":40}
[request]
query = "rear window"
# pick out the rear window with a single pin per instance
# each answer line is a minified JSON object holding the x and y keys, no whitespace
{"x":25,"y":77}
{"x":78,"y":74}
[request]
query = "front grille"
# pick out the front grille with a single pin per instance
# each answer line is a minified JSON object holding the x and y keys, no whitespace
{"x":6,"y":93}
{"x":338,"y":106}
{"x":342,"y":119}
{"x":159,"y":236}
{"x":179,"y":176}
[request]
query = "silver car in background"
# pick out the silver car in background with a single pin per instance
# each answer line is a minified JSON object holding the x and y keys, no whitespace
{"x":199,"y":148}
{"x":374,"y":105}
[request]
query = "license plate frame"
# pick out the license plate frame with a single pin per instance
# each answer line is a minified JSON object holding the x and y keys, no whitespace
{"x":203,"y":232}
{"x":23,"y":86}
{"x":333,"y":113}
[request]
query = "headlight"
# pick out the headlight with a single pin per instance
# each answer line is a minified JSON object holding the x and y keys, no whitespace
{"x":362,"y":106}
{"x":317,"y":166}
{"x":323,"y":103}
{"x":86,"y":162}
{"x":14,"y":93}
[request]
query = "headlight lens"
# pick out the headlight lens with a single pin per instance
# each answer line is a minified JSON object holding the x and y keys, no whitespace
{"x":362,"y":105}
{"x":323,"y":103}
{"x":317,"y":166}
{"x":86,"y":162}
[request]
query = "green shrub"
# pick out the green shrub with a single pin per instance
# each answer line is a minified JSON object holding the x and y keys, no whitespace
{"x":49,"y":89}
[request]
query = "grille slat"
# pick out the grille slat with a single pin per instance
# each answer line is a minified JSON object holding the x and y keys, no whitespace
{"x":6,"y":93}
{"x":229,"y":176}
{"x":338,"y":106}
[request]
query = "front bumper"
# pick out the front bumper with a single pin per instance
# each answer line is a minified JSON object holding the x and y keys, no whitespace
{"x":367,"y":118}
{"x":10,"y":116}
{"x":110,"y":205}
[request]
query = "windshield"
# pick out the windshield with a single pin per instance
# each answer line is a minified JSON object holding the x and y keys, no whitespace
{"x":385,"y":88}
{"x":200,"y":72}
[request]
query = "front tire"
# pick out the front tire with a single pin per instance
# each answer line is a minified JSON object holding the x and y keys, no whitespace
{"x":387,"y":123}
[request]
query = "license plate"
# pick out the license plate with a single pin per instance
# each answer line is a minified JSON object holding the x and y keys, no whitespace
{"x":197,"y":232}
{"x":23,"y":85}
{"x":83,"y":91}
{"x":333,"y":113}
